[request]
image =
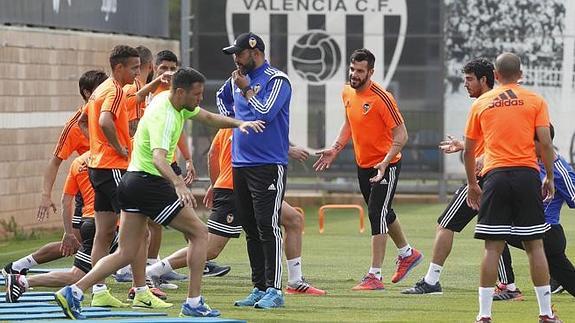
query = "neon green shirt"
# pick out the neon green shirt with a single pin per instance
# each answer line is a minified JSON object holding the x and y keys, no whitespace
{"x":160,"y":127}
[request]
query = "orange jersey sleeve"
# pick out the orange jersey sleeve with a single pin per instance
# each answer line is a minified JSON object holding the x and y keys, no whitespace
{"x":108,"y":96}
{"x":79,"y":181}
{"x":135,"y":108}
{"x":71,"y":139}
{"x":506,"y":118}
{"x":223,"y":139}
{"x":372,"y":114}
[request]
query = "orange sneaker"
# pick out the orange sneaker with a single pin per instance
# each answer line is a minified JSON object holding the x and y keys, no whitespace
{"x":405,"y":265}
{"x":303,"y":287}
{"x":369,"y":282}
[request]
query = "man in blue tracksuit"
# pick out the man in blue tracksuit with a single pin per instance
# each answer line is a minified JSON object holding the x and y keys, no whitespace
{"x":560,"y":267}
{"x":257,"y":91}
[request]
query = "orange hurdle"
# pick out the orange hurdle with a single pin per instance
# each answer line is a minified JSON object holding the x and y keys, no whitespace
{"x":322,"y":209}
{"x":302,"y":213}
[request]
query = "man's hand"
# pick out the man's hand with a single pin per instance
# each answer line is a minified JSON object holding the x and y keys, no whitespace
{"x":69,"y":245}
{"x":190,"y":172}
{"x":474,"y":195}
{"x":123,"y":151}
{"x":451,"y":145}
{"x":239,"y":79}
{"x":381,"y":167}
{"x":44,"y":209}
{"x":166,"y":77}
{"x":209,"y":197}
{"x":298,"y":153}
{"x":257,"y":126}
{"x":185,"y":195}
{"x":326,"y":157}
{"x":547,"y":189}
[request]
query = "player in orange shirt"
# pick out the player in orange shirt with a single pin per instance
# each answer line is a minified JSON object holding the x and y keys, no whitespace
{"x":110,"y":145}
{"x":507,"y":119}
{"x":165,"y":66}
{"x":71,"y":140}
{"x":378,"y":132}
{"x":135,"y":104}
{"x":223,"y":223}
{"x":77,"y":182}
{"x":478,"y":80}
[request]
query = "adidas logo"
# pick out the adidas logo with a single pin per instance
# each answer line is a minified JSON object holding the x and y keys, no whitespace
{"x":383,"y":182}
{"x":272,"y":187}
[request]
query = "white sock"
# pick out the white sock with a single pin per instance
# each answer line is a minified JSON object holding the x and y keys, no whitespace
{"x":433,"y":274}
{"x":24,"y":281}
{"x":159,"y":268}
{"x":77,"y":292}
{"x":24,"y":263}
{"x":511,"y":287}
{"x":142,"y":289}
{"x":124,"y":270}
{"x":405,"y":251}
{"x":151,"y":261}
{"x":193,"y":301}
{"x":485,"y":301}
{"x":376,"y":272}
{"x":99,"y":288}
{"x":294,"y":270}
{"x":544,"y":300}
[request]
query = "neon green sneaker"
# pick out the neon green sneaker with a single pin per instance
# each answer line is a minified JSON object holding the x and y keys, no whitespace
{"x":105,"y":299}
{"x":149,"y":300}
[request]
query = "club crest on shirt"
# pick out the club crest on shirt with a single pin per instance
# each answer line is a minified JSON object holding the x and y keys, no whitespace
{"x":230,"y":218}
{"x":366,"y":108}
{"x":257,"y":88}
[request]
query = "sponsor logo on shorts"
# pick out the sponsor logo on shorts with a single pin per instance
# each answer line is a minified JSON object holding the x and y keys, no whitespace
{"x":230,"y":218}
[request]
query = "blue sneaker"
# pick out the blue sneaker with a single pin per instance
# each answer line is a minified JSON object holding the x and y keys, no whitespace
{"x":203,"y":310}
{"x":172,"y":275}
{"x":123,"y":277}
{"x":252,"y":298}
{"x":71,"y":306}
{"x":273,"y":298}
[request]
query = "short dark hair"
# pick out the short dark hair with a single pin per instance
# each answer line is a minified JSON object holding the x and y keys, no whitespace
{"x":363,"y":54}
{"x":184,"y":78}
{"x":90,"y":81}
{"x":166,"y":55}
{"x":120,"y":55}
{"x":551,"y":132}
{"x":145,"y":54}
{"x":481,"y":67}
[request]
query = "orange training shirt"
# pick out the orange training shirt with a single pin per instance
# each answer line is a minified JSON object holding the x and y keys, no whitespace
{"x":506,"y":119}
{"x":71,"y":139}
{"x":109,"y":97}
{"x":372,"y":114}
{"x":79,"y":181}
{"x":223,"y":142}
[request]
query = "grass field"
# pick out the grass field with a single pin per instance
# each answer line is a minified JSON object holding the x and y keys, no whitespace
{"x":337,"y":259}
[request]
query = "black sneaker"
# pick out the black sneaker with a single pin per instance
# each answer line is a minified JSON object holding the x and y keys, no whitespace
{"x":556,"y":288}
{"x":213,"y":270}
{"x":14,"y":288}
{"x":7,"y":270}
{"x":421,"y":287}
{"x":501,"y":293}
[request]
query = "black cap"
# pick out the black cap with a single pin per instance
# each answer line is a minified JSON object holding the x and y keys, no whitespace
{"x":245,"y":41}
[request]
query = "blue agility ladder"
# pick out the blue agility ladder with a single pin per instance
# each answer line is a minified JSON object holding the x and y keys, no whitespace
{"x":25,"y":298}
{"x":50,"y":309}
{"x":89,"y":315}
{"x":160,"y":320}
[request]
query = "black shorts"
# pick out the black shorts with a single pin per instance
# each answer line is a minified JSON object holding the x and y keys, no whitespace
{"x":105,"y":183}
{"x":223,"y":221}
{"x":151,"y":195}
{"x":379,"y":196}
{"x":458,"y":214}
{"x":511,"y":205}
{"x":77,"y":217}
{"x":83,"y":259}
{"x":176,"y":168}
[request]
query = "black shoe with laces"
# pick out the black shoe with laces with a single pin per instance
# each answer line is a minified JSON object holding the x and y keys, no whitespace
{"x":421,"y":287}
{"x":14,"y":288}
{"x":7,"y":270}
{"x":213,"y":270}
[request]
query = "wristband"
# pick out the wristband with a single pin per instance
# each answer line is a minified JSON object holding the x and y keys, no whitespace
{"x":245,"y":90}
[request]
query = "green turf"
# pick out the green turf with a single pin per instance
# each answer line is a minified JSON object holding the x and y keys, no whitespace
{"x":337,"y":259}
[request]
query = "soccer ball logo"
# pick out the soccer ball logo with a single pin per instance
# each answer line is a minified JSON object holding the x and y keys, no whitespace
{"x":316,"y":57}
